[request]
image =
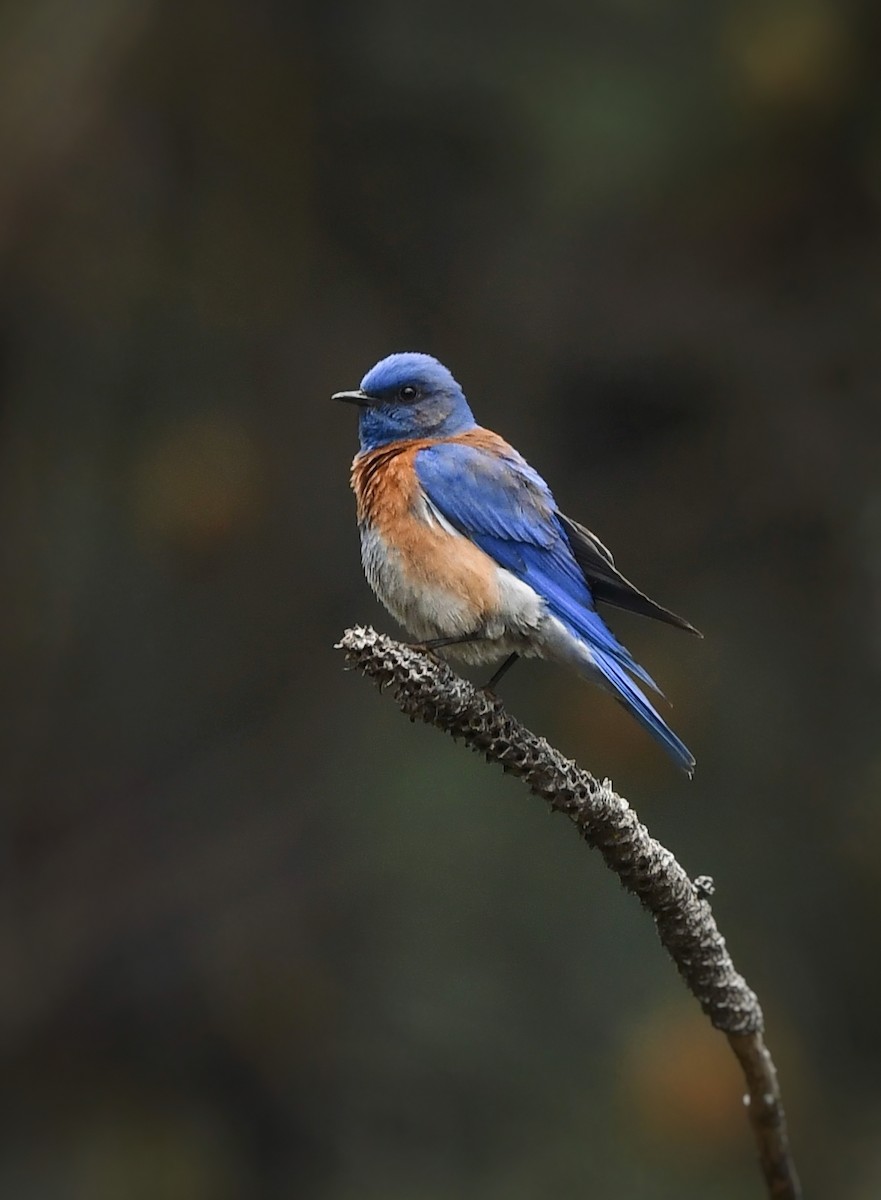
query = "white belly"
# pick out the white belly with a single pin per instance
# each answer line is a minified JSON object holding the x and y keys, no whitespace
{"x":428,"y":610}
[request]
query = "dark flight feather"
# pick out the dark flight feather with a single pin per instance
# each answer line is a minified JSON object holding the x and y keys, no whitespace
{"x":607,"y":583}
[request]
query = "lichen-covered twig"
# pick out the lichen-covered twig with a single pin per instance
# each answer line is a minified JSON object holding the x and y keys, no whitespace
{"x":428,"y":690}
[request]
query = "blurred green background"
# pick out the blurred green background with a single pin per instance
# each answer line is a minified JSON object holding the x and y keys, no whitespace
{"x":259,"y":936}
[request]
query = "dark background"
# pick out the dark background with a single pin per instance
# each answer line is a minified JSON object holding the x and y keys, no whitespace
{"x":260,"y":937}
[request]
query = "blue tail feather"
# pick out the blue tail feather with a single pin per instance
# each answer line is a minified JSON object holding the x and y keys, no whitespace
{"x":588,"y":625}
{"x":639,"y":707}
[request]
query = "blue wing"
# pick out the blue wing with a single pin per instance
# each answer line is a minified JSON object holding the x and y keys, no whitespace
{"x":507,"y":509}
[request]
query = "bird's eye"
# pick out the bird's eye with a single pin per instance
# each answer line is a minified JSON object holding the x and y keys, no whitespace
{"x":407,"y":392}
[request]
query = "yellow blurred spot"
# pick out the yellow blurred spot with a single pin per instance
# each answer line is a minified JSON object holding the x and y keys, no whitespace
{"x":682,"y":1080}
{"x":200,"y":483}
{"x":792,"y":54}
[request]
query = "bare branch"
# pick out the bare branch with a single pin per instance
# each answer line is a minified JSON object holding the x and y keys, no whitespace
{"x":428,"y":690}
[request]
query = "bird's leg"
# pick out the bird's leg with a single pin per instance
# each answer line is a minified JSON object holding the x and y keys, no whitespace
{"x":503,"y":670}
{"x":439,"y":643}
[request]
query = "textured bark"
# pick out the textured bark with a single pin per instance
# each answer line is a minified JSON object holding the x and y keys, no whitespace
{"x":428,"y":690}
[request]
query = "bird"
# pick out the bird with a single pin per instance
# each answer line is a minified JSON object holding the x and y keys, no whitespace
{"x":463,"y":543}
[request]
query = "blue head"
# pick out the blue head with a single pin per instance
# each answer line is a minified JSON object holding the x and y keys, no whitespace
{"x":408,"y":396}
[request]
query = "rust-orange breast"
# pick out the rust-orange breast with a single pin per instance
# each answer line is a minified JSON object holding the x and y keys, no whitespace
{"x":391,"y":504}
{"x":384,"y":482}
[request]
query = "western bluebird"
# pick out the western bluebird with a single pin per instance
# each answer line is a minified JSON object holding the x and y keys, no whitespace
{"x":463,"y":542}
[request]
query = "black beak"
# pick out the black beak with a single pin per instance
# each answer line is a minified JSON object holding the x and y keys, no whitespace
{"x":360,"y":398}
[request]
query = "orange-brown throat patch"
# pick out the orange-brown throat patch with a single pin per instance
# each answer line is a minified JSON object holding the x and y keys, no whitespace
{"x":385,"y":478}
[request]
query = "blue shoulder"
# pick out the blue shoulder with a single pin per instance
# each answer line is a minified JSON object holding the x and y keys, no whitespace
{"x":484,"y":492}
